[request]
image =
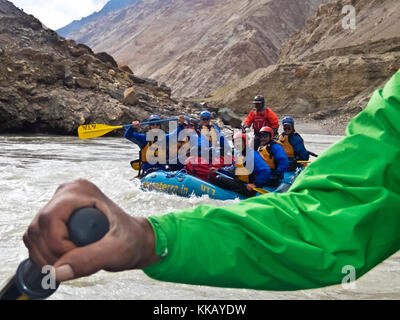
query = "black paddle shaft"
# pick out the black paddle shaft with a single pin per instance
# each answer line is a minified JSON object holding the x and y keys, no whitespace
{"x":85,"y":226}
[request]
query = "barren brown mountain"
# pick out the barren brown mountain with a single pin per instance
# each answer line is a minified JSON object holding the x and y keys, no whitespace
{"x":198,"y":45}
{"x":49,"y":84}
{"x":326,"y":71}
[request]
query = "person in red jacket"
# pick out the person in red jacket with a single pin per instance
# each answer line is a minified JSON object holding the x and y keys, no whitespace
{"x":259,"y":117}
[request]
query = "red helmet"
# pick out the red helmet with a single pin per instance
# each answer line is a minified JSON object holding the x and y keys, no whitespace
{"x":269,"y":130}
{"x":241,"y":135}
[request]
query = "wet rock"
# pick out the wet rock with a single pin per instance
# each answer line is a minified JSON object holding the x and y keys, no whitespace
{"x":126,"y":69}
{"x":166,"y":89}
{"x":301,"y":72}
{"x":105,"y":57}
{"x":40,"y":97}
{"x":85,"y":83}
{"x":117,"y":94}
{"x":136,"y":79}
{"x":85,"y":47}
{"x":230,"y":118}
{"x":130,"y":97}
{"x":77,"y":52}
{"x":151,"y":82}
{"x":114,"y":113}
{"x":70,"y":42}
{"x":69,"y":81}
{"x":29,"y":52}
{"x":35,"y":25}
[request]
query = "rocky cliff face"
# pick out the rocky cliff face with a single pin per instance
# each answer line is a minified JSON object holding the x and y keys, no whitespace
{"x":199,"y":45}
{"x":49,"y":84}
{"x":326,"y":71}
{"x":377,"y":31}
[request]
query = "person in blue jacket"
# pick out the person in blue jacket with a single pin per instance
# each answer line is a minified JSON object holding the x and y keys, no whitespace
{"x":247,"y":172}
{"x":292,"y":143}
{"x":273,"y":154}
{"x":154,"y":153}
{"x":211,"y":137}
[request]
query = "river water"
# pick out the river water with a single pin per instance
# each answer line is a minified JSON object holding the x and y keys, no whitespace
{"x":31,"y":168}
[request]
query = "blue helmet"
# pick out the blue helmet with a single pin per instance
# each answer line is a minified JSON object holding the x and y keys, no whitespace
{"x":154,"y":117}
{"x":205,"y":114}
{"x":288,"y":120}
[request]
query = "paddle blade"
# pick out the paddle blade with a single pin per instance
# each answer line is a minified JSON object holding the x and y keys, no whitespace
{"x":261,"y":190}
{"x":88,"y":131}
{"x":135,"y":164}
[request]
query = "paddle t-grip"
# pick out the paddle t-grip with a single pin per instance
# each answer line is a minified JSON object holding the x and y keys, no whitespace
{"x":85,"y":226}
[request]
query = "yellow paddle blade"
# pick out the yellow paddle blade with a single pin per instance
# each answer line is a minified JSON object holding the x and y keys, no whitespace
{"x":135,"y":164}
{"x":261,"y":190}
{"x":94,"y":130}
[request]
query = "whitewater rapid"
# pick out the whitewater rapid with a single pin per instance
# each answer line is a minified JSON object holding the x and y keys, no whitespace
{"x":31,"y":168}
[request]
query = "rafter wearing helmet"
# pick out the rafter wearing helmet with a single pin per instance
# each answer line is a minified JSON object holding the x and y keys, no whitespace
{"x":292,"y":143}
{"x":211,"y":136}
{"x":248,"y":170}
{"x":259,"y":117}
{"x":154,"y":153}
{"x":273,"y":154}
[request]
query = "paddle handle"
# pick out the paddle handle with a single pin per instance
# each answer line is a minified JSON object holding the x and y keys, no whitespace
{"x":312,"y":154}
{"x":85,"y":226}
{"x":149,"y":122}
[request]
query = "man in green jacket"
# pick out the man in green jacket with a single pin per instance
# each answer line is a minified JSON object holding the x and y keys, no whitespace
{"x":343,"y":210}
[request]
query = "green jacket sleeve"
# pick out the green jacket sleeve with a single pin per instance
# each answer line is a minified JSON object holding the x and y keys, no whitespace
{"x":343,"y":210}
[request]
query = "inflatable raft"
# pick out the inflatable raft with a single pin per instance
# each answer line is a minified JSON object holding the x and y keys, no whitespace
{"x":185,"y":185}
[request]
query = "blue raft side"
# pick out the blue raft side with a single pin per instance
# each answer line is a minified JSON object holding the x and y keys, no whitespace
{"x":185,"y":185}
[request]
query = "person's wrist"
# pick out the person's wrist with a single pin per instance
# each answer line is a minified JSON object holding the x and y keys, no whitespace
{"x":146,"y":244}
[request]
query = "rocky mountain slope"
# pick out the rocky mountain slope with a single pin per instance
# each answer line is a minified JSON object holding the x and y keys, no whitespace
{"x":112,"y":5}
{"x":49,"y":84}
{"x":326,"y":72}
{"x":197,"y":46}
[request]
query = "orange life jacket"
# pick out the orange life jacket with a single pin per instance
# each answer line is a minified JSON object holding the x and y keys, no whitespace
{"x":240,"y":170}
{"x":154,"y":151}
{"x":210,"y":133}
{"x":267,"y":155}
{"x":285,"y":143}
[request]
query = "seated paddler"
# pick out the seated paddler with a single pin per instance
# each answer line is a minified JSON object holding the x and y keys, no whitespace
{"x":154,"y":145}
{"x":274,"y":156}
{"x":247,"y":172}
{"x":292,"y":143}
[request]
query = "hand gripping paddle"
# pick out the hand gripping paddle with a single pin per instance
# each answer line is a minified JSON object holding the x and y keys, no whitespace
{"x":85,"y":226}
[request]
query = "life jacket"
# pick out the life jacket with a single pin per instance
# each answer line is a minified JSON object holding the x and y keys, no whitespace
{"x":153,"y":149}
{"x":284,"y":141}
{"x":180,"y":144}
{"x":267,"y":155}
{"x":260,"y":120}
{"x":210,"y":133}
{"x":241,"y":172}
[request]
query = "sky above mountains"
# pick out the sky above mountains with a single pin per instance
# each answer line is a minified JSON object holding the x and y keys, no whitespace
{"x":58,"y":13}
